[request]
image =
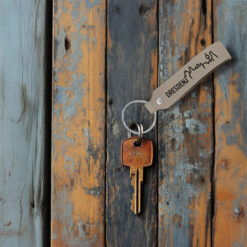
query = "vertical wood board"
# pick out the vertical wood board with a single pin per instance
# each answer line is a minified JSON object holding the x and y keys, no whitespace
{"x":22,"y":123}
{"x":131,"y":74}
{"x":185,"y":131}
{"x":78,"y":144}
{"x":230,"y":224}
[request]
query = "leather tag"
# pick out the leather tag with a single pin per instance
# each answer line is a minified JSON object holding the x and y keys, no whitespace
{"x":183,"y":81}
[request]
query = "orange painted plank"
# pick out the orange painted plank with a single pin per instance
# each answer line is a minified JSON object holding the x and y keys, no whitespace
{"x":78,"y":123}
{"x":230,"y":222}
{"x":185,"y":152}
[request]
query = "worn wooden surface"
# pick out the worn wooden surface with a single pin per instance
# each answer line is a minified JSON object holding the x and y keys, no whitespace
{"x":230,"y":222}
{"x":22,"y":122}
{"x":131,"y":74}
{"x":184,"y":190}
{"x":185,"y":131}
{"x":78,"y":124}
{"x":106,"y":54}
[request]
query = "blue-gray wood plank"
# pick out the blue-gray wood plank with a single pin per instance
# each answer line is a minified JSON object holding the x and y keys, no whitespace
{"x":22,"y":122}
{"x":185,"y":131}
{"x":131,"y":74}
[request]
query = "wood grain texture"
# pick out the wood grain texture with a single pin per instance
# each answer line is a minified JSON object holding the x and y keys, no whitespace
{"x":22,"y":123}
{"x":185,"y":130}
{"x":131,"y":74}
{"x":230,"y":223}
{"x":78,"y":120}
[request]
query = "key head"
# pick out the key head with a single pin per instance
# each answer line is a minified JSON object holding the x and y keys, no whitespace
{"x":137,"y":156}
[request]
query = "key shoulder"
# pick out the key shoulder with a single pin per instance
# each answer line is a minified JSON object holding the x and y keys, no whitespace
{"x":137,"y":156}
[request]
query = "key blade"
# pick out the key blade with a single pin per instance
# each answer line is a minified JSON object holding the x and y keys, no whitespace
{"x":140,"y":182}
{"x":136,"y":175}
{"x":134,"y":183}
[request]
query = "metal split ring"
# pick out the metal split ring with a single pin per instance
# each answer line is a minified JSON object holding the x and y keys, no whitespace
{"x":133,"y":131}
{"x":140,"y":130}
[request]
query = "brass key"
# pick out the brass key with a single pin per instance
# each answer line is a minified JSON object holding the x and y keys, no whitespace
{"x":136,"y":157}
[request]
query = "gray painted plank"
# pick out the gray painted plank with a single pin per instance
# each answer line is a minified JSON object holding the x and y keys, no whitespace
{"x":131,"y":74}
{"x":22,"y":128}
{"x":185,"y":130}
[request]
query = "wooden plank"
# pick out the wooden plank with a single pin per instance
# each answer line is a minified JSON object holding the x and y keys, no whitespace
{"x":22,"y":124}
{"x":185,"y":130}
{"x":78,"y":120}
{"x":230,"y":224}
{"x":132,"y":74}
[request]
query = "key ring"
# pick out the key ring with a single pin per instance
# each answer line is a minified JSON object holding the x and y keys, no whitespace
{"x":140,"y":134}
{"x":133,"y":131}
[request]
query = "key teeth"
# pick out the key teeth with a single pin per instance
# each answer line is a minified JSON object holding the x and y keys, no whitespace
{"x":136,"y":175}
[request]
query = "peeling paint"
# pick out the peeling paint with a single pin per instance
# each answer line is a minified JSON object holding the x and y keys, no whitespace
{"x":195,"y":127}
{"x":86,"y":132}
{"x":78,"y":117}
{"x":185,"y":130}
{"x":230,"y":127}
{"x":115,"y":129}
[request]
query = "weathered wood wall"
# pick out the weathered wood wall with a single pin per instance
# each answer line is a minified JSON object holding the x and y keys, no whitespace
{"x":24,"y":157}
{"x":105,"y":54}
{"x":200,"y":146}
